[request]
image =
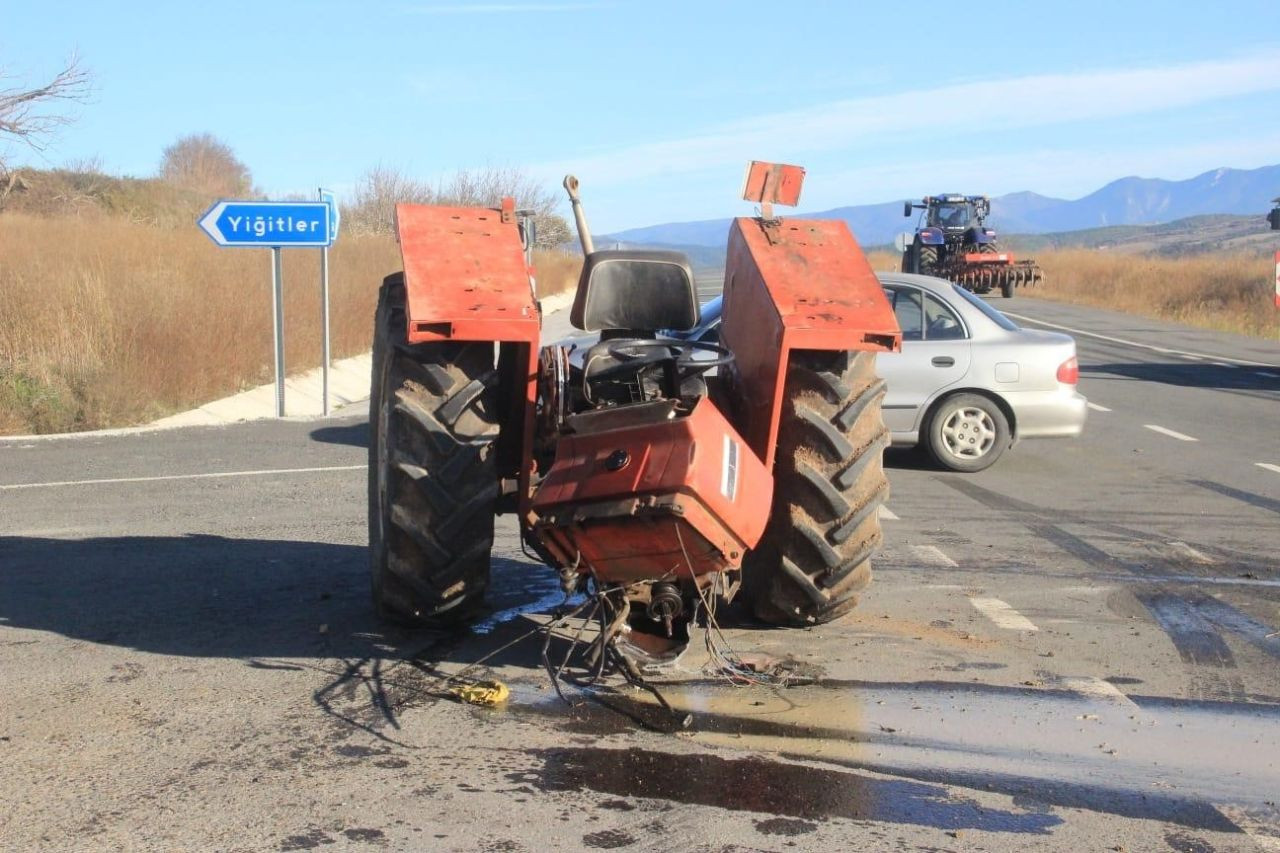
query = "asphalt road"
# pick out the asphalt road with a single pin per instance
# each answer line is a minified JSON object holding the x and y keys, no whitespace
{"x":1074,"y":650}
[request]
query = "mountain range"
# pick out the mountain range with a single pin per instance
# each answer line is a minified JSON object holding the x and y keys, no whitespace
{"x":1127,"y":201}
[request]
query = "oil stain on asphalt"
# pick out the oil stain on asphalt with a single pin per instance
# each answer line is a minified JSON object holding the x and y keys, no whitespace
{"x":794,"y":791}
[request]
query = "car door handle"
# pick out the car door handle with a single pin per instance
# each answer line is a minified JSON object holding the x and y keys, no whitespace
{"x":943,"y":361}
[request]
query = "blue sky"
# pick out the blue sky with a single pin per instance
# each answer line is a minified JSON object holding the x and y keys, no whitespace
{"x":657,"y":106}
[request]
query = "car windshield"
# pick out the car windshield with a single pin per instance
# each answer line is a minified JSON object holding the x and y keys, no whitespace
{"x":949,"y":215}
{"x":992,"y":314}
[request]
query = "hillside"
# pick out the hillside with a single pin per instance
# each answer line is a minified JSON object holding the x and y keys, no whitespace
{"x":1127,"y":201}
{"x":1247,"y":236}
{"x":115,"y":309}
{"x":63,"y":192}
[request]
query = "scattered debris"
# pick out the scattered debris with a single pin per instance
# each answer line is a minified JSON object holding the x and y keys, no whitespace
{"x":484,"y":693}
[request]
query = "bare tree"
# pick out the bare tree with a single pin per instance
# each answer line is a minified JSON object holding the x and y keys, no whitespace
{"x":202,"y":162}
{"x":27,"y":115}
{"x":373,"y":202}
{"x":33,"y":116}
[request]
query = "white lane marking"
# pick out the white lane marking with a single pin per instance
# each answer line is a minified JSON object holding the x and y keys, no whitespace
{"x":1002,"y":614}
{"x":1186,"y":552}
{"x":1169,"y":432}
{"x":887,"y":514}
{"x":1097,"y":408}
{"x":1264,"y":830}
{"x":931,"y":555}
{"x":1268,"y":466}
{"x":259,"y":473}
{"x":1189,"y":356}
{"x":1163,"y":350}
{"x":1096,"y":688}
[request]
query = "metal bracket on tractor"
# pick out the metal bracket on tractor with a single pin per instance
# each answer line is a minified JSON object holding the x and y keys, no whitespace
{"x":768,"y":184}
{"x":654,"y":472}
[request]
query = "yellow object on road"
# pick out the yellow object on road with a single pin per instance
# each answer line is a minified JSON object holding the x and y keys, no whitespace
{"x":486,"y":693}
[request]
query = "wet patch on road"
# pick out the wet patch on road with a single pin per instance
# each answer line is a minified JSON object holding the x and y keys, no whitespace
{"x":608,"y":839}
{"x":1181,"y":842}
{"x":778,"y":788}
{"x":787,"y":826}
{"x":309,"y":840}
{"x":368,"y":836}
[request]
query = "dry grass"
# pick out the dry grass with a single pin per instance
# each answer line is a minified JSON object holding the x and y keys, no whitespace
{"x":1232,"y":293}
{"x":557,"y":271}
{"x":106,"y":322}
{"x":1229,"y":293}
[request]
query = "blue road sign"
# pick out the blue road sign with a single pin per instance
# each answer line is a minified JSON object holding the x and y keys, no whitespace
{"x":335,"y":215}
{"x":264,"y":224}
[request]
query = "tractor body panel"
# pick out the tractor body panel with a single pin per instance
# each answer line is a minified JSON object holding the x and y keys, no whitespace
{"x":795,"y":285}
{"x":478,"y":290}
{"x":628,"y":501}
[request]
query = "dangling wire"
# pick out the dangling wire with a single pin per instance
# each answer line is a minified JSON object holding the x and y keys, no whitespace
{"x":726,"y":662}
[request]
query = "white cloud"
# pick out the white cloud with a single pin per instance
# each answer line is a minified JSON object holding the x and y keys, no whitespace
{"x":988,"y":106}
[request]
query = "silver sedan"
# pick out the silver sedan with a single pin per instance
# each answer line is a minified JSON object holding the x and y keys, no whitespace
{"x":969,"y":382}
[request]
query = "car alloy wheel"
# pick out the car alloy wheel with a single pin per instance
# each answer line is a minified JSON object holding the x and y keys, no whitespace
{"x":969,"y":433}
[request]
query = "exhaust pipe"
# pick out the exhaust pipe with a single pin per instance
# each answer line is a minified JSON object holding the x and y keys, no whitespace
{"x":579,"y":218}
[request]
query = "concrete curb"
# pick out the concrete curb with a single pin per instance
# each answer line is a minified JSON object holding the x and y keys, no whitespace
{"x":348,"y":384}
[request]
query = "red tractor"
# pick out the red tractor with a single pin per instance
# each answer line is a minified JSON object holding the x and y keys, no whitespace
{"x":655,"y":471}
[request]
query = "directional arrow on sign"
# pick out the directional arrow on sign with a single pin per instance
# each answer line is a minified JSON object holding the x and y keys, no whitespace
{"x":236,"y":223}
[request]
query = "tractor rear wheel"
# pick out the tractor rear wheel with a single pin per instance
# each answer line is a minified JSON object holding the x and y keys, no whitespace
{"x":432,"y":473}
{"x":829,"y":484}
{"x":927,"y":260}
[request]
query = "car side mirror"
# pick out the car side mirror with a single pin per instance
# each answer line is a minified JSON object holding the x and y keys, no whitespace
{"x":906,"y":208}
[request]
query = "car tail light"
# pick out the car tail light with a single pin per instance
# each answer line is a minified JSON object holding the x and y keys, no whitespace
{"x":1069,"y":371}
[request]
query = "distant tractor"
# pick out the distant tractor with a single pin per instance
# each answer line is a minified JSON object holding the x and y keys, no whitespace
{"x":1274,"y":216}
{"x":953,"y":242}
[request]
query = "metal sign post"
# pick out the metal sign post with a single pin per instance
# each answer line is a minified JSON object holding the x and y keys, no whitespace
{"x":277,"y":326}
{"x":332,"y":201}
{"x":276,"y":225}
{"x":324,"y":327}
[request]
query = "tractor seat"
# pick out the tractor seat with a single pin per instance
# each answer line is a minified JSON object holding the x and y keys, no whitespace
{"x":635,"y":293}
{"x":625,"y":294}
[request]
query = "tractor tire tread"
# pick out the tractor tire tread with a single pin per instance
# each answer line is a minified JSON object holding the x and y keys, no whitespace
{"x":433,"y":424}
{"x":829,"y":482}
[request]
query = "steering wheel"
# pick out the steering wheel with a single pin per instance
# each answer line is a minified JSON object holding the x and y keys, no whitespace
{"x":637,"y":355}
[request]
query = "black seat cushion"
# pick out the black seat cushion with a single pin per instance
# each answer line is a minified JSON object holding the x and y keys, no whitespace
{"x":635,"y":290}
